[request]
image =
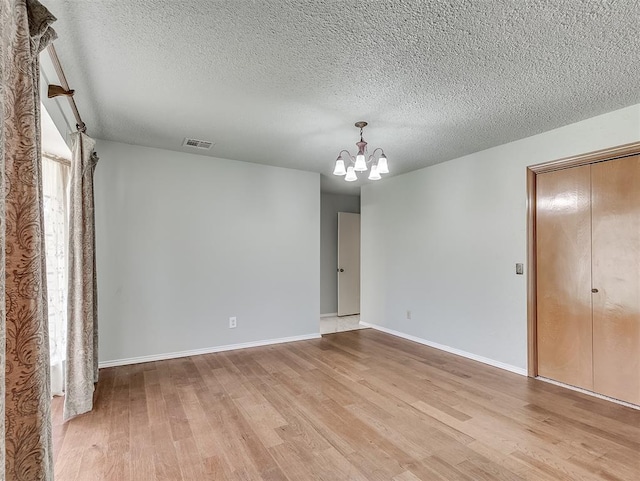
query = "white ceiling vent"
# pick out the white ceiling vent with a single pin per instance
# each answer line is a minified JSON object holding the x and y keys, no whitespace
{"x":198,"y":144}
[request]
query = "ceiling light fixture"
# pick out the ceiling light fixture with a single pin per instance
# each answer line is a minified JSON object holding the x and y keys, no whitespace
{"x":359,"y":162}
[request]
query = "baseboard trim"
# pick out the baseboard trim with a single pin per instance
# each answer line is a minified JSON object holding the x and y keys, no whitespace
{"x":590,"y":393}
{"x":206,"y":350}
{"x":329,"y":314}
{"x":449,"y":349}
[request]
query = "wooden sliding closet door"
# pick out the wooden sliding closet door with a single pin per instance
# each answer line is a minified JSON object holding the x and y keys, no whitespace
{"x":563,"y":240}
{"x":616,"y":276}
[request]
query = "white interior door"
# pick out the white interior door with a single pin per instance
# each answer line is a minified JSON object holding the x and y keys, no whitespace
{"x":348,"y":263}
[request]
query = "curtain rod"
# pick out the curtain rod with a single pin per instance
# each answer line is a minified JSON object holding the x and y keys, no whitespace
{"x":64,"y":90}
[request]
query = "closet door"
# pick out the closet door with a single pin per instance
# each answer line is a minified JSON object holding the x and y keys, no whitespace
{"x":616,"y":277}
{"x":563,"y":253}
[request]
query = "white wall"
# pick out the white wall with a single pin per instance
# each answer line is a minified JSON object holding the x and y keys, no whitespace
{"x":330,"y":205}
{"x":185,"y":241}
{"x":443,"y":241}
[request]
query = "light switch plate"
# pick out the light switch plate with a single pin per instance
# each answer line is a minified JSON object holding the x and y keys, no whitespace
{"x":519,"y":269}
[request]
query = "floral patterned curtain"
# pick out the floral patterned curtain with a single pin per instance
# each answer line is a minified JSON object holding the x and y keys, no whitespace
{"x":82,"y":311}
{"x":26,"y":445}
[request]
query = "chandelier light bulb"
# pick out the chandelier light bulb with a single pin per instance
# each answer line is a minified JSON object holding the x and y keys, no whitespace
{"x":382,"y":165}
{"x":351,"y":174}
{"x":339,"y":169}
{"x":374,"y":174}
{"x":361,"y":163}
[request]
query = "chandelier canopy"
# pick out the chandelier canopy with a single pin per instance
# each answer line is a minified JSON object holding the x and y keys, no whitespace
{"x":349,"y":164}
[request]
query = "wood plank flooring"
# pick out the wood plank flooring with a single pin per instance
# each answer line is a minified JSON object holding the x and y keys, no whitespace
{"x":358,"y":405}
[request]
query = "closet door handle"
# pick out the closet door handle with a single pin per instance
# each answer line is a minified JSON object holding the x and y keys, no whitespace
{"x":594,"y":290}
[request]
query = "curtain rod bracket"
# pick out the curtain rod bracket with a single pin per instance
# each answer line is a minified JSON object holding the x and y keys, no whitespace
{"x":57,"y":91}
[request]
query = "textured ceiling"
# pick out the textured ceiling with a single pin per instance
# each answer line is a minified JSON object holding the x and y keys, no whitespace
{"x":281,"y":82}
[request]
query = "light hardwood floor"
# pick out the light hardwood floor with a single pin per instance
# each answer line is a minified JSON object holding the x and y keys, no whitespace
{"x":358,"y":405}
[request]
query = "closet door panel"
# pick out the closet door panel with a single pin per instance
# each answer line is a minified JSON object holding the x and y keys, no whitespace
{"x":563,"y":245}
{"x":616,"y":276}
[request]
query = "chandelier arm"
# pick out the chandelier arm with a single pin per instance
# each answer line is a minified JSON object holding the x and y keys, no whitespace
{"x":371,"y":159}
{"x":349,"y":156}
{"x":376,"y":149}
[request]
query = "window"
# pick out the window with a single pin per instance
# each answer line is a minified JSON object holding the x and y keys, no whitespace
{"x":55,"y":184}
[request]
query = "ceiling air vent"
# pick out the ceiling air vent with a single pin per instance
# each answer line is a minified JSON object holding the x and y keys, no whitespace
{"x":198,"y":144}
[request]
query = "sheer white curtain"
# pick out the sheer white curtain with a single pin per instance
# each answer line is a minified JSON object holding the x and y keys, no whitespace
{"x":55,"y":183}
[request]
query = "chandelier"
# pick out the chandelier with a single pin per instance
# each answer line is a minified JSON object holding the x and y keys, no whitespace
{"x":360,"y":162}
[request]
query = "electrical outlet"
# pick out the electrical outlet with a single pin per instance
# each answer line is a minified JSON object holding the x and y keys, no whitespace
{"x":409,"y":315}
{"x":233,"y":323}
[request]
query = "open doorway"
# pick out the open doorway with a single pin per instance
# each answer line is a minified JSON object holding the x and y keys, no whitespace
{"x":340,"y":309}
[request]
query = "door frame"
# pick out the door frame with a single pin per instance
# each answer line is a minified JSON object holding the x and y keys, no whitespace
{"x":603,"y":155}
